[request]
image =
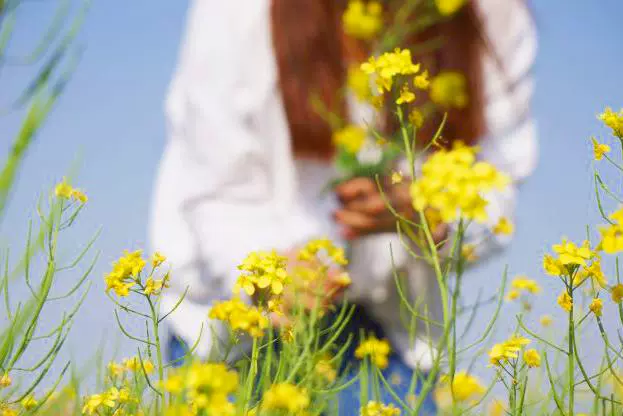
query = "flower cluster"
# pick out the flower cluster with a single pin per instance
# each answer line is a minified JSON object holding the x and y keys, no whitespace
{"x":507,"y":350}
{"x":125,"y":275}
{"x":314,"y":248}
{"x":263,"y":272}
{"x":461,"y":388}
{"x":378,"y":351}
{"x":612,"y":235}
{"x":448,"y":7}
{"x":286,"y":397}
{"x":111,"y":398}
{"x":66,"y":191}
{"x":389,"y":65}
{"x":613,"y":120}
{"x":363,"y":20}
{"x":522,"y":284}
{"x":240,"y":316}
{"x":452,"y":182}
{"x":373,"y":408}
{"x":599,"y":149}
{"x":350,"y":138}
{"x":449,"y":89}
{"x":205,"y":386}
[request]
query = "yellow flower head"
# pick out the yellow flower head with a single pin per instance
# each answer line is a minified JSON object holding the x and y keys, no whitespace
{"x":389,"y":65}
{"x":448,"y":7}
{"x":509,"y":349}
{"x":157,"y":259}
{"x":406,"y":96}
{"x":599,"y":149}
{"x":263,"y":271}
{"x":464,"y":387}
{"x":326,"y":369}
{"x":396,"y":177}
{"x":421,"y":81}
{"x":565,"y":301}
{"x":121,"y":278}
{"x":546,"y":320}
{"x":496,"y":408}
{"x":596,"y":306}
{"x":115,"y":369}
{"x":571,"y":254}
{"x":286,"y":397}
{"x":5,"y":381}
{"x":29,"y":402}
{"x":351,"y":138}
{"x":95,"y":402}
{"x":449,"y":89}
{"x":416,"y":118}
{"x":66,"y":191}
{"x":373,"y":408}
{"x":377,"y":350}
{"x":504,"y":227}
{"x":532,"y":358}
{"x":522,"y":283}
{"x":240,"y":316}
{"x":512,"y":295}
{"x":361,"y":20}
{"x":318,"y":249}
{"x":359,"y":83}
{"x":617,"y":293}
{"x":613,"y":120}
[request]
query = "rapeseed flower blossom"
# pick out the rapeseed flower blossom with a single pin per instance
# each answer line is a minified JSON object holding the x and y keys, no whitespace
{"x":406,"y":95}
{"x":378,"y":351}
{"x":313,"y":249}
{"x":522,"y":283}
{"x":396,"y":177}
{"x":421,"y":81}
{"x":565,"y":301}
{"x":5,"y":381}
{"x":363,"y":20}
{"x":359,"y":83}
{"x":532,"y":358}
{"x":464,"y":387}
{"x":66,"y":191}
{"x":95,"y":402}
{"x":263,"y":271}
{"x":448,"y":7}
{"x":389,"y":65}
{"x":612,"y":234}
{"x":449,"y":89}
{"x":240,"y":316}
{"x":617,"y":293}
{"x":507,"y":350}
{"x":125,"y":273}
{"x":350,"y":138}
{"x":374,"y":408}
{"x":286,"y":397}
{"x":546,"y":320}
{"x":503,"y":227}
{"x":134,"y":364}
{"x":452,"y":182}
{"x":613,"y":120}
{"x":416,"y":118}
{"x":29,"y":402}
{"x":569,"y":254}
{"x":325,"y":368}
{"x":599,"y":149}
{"x":596,"y":306}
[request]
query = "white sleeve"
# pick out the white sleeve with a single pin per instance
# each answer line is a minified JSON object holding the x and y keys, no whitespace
{"x":230,"y":186}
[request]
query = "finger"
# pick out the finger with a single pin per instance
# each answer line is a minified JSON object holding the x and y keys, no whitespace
{"x":354,"y":188}
{"x":371,"y":205}
{"x":356,"y":220}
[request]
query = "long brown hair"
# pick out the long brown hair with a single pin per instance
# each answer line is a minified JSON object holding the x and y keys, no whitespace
{"x":313,"y":55}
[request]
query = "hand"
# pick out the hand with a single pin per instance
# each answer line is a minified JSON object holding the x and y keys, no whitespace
{"x":364,"y":211}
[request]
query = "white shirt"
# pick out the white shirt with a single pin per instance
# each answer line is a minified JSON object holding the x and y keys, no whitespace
{"x":228,"y":183}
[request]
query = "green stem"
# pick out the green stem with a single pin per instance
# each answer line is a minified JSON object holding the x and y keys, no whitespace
{"x":571,"y":355}
{"x":154,"y":321}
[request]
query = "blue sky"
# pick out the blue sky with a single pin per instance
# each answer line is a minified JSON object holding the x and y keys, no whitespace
{"x":111,"y":121}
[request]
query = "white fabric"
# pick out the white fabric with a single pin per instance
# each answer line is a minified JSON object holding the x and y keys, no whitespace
{"x":228,"y":184}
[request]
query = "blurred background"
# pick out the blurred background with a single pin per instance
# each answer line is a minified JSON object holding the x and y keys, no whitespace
{"x":108,"y":130}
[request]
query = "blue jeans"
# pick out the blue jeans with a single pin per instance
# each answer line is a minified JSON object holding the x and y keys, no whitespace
{"x":397,"y":373}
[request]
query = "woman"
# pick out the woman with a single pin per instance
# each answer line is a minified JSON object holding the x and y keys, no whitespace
{"x":248,"y":156}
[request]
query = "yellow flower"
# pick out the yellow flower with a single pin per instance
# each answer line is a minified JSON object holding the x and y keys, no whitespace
{"x":464,"y":387}
{"x":63,"y":190}
{"x":152,"y":287}
{"x":613,"y":120}
{"x":115,"y":369}
{"x":343,"y":279}
{"x":174,"y":383}
{"x":315,"y":248}
{"x":325,"y":368}
{"x":286,"y":397}
{"x":5,"y":380}
{"x":546,"y":320}
{"x":452,"y":182}
{"x":448,"y":89}
{"x":552,"y":266}
{"x":507,"y":350}
{"x":522,"y":283}
{"x":396,"y":177}
{"x":570,"y":254}
{"x":512,"y":295}
{"x":359,"y":83}
{"x":496,"y":408}
{"x":95,"y":402}
{"x":373,"y":408}
{"x":504,"y":227}
{"x":29,"y":402}
{"x":421,"y":81}
{"x":448,"y":7}
{"x":363,"y":21}
{"x":406,"y":96}
{"x":599,"y":149}
{"x":264,"y":272}
{"x":208,"y":386}
{"x":532,"y":358}
{"x":121,"y":278}
{"x":565,"y":301}
{"x":7,"y":411}
{"x":468,"y":251}
{"x":157,"y":259}
{"x":594,"y":272}
{"x":351,"y":138}
{"x":596,"y":306}
{"x":416,"y":118}
{"x":617,"y":293}
{"x":389,"y":65}
{"x":377,"y":350}
{"x":79,"y":196}
{"x":240,"y":316}
{"x":134,"y":364}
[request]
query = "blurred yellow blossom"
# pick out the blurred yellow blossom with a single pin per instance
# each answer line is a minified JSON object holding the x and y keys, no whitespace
{"x":507,"y":350}
{"x":314,"y":248}
{"x":115,"y":369}
{"x":523,"y":283}
{"x":95,"y":402}
{"x":503,"y":227}
{"x":5,"y":380}
{"x":496,"y":408}
{"x":374,"y":408}
{"x":29,"y":402}
{"x":377,"y":350}
{"x":468,"y":251}
{"x":157,"y":259}
{"x":546,"y":320}
{"x":351,"y":138}
{"x":617,"y":293}
{"x":612,"y":234}
{"x":363,"y":20}
{"x":448,"y":7}
{"x":240,"y":316}
{"x":326,"y":369}
{"x":596,"y":306}
{"x":359,"y":83}
{"x":421,"y":81}
{"x":406,"y":95}
{"x":599,"y":149}
{"x":396,"y":177}
{"x":464,"y":387}
{"x":512,"y":295}
{"x":571,"y":254}
{"x":416,"y":118}
{"x":565,"y":301}
{"x":613,"y":120}
{"x":262,"y":270}
{"x":286,"y":397}
{"x":66,"y":191}
{"x":449,"y":89}
{"x":553,"y":266}
{"x":532,"y":358}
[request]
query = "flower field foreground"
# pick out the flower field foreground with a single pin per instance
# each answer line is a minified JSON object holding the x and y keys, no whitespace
{"x":292,"y":340}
